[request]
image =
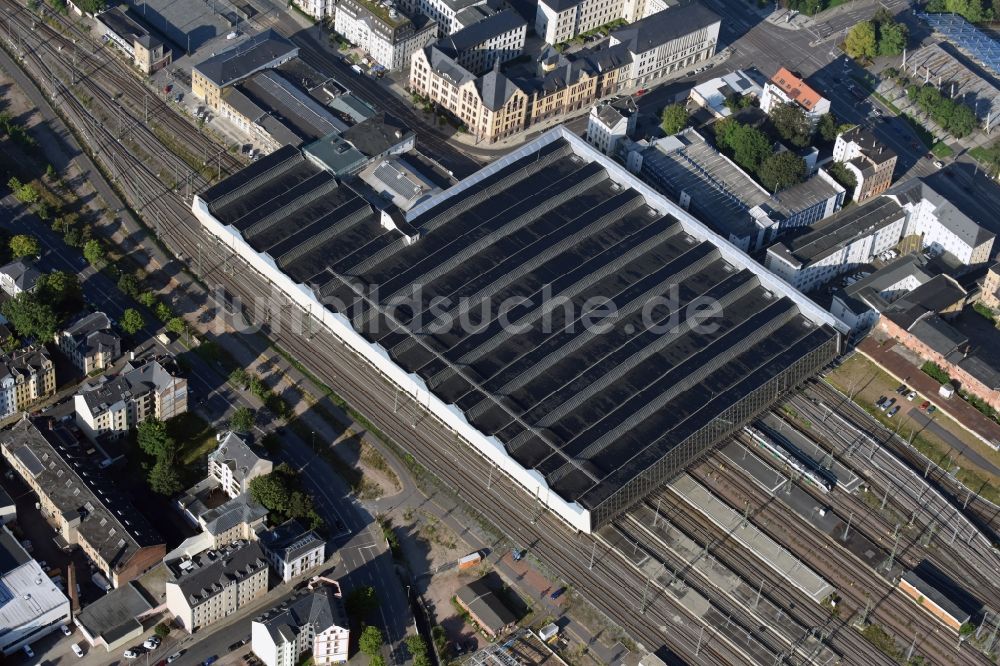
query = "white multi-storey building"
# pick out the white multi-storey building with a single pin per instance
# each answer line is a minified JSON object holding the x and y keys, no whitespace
{"x":292,"y":549}
{"x":451,"y":15}
{"x":215,"y":584}
{"x":560,"y":20}
{"x":314,"y":624}
{"x":18,"y":276}
{"x":386,"y":34}
{"x":610,"y":123}
{"x":497,"y":37}
{"x":142,"y":390}
{"x":667,"y":41}
{"x":787,"y":88}
{"x":841,"y":244}
{"x":943,"y":228}
{"x":90,"y":342}
{"x":234,"y":464}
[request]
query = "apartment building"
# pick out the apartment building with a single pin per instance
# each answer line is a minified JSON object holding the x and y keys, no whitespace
{"x":871,"y":161}
{"x":234,"y":464}
{"x":497,"y":37}
{"x":667,"y":41}
{"x":262,"y":51}
{"x":859,"y":305}
{"x":787,"y":88}
{"x":143,"y":389}
{"x":26,"y":376}
{"x":292,"y":549}
{"x":386,"y":34}
{"x":610,"y":123}
{"x":943,"y":228}
{"x":212,"y":585}
{"x":80,"y":498}
{"x":313,"y":624}
{"x":18,"y":277}
{"x":125,"y":30}
{"x":90,"y":343}
{"x":845,"y":242}
{"x":712,"y":94}
{"x":31,"y":606}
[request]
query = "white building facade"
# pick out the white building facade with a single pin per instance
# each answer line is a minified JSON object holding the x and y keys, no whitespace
{"x":314,"y":623}
{"x":390,"y":40}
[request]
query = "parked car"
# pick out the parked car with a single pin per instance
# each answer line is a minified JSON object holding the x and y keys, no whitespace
{"x":924,"y":405}
{"x":66,"y":630}
{"x":211,"y":660}
{"x":939,"y":164}
{"x":175,"y":656}
{"x":151,"y":643}
{"x":77,"y":650}
{"x":902,"y":389}
{"x":931,"y":409}
{"x":880,"y":401}
{"x":893,"y":411}
{"x":131,"y":654}
{"x":558,"y":593}
{"x":28,"y":651}
{"x":911,"y":395}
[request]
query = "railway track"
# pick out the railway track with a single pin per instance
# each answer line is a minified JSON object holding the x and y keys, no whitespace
{"x":855,"y":582}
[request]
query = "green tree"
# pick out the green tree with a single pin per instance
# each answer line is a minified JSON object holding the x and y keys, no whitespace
{"x":239,"y":377}
{"x":892,"y":38}
{"x":241,"y":420}
{"x":93,"y":252}
{"x":9,"y":344}
{"x":22,"y":245}
{"x":164,"y":479}
{"x":271,"y":492}
{"x":841,"y":174}
{"x":962,"y":121}
{"x":361,"y":602}
{"x":163,"y":312}
{"x":73,"y":237}
{"x":176,"y":325}
{"x":371,"y":641}
{"x":31,"y":317}
{"x":92,"y":6}
{"x":162,"y":630}
{"x":62,"y":290}
{"x":674,"y":118}
{"x":147,"y":298}
{"x":128,"y":284}
{"x":152,"y":437}
{"x":828,"y":128}
{"x":791,"y":124}
{"x":861,"y":41}
{"x":782,"y":170}
{"x":748,"y":146}
{"x":376,"y":660}
{"x":418,"y":648}
{"x":23,"y":192}
{"x":132,"y":321}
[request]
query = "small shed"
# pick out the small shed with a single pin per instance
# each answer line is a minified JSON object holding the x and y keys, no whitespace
{"x":946,"y":390}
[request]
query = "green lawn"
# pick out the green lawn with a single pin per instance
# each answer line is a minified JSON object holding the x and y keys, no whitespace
{"x":194,"y":435}
{"x":942,"y":149}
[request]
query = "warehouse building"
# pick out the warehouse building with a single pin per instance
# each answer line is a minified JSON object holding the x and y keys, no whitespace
{"x":586,"y":423}
{"x":705,"y":182}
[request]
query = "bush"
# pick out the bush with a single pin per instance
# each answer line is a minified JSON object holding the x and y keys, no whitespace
{"x":162,"y":630}
{"x":936,"y":372}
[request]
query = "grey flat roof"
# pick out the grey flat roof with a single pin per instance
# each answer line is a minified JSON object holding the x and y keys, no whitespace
{"x":484,"y":602}
{"x":278,"y":96}
{"x":290,"y":540}
{"x":114,"y":614}
{"x":665,"y":26}
{"x":721,"y":193}
{"x":841,"y":229}
{"x":588,"y":412}
{"x":244,"y":59}
{"x":377,"y":134}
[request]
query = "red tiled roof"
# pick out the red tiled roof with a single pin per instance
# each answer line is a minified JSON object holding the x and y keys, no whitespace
{"x":796,"y":89}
